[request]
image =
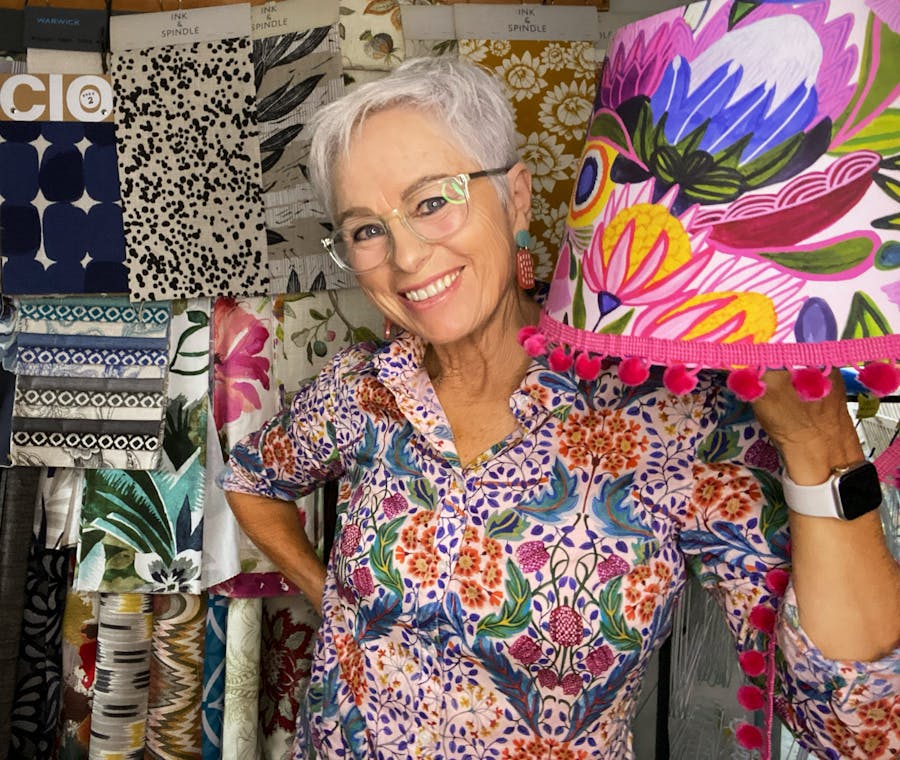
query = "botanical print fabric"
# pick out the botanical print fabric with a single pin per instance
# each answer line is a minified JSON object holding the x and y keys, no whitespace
{"x":538,"y":602}
{"x":240,"y":736}
{"x":213,"y":700}
{"x":296,"y":74}
{"x":119,"y":716}
{"x":737,"y":201}
{"x":371,"y":34}
{"x":60,"y":209}
{"x":90,"y":376}
{"x":176,"y":676}
{"x":189,"y":161}
{"x":59,"y":502}
{"x":551,"y":88}
{"x":79,"y":658}
{"x":142,"y":531}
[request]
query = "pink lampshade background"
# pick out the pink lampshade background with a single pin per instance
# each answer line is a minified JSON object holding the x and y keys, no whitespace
{"x":737,"y":203}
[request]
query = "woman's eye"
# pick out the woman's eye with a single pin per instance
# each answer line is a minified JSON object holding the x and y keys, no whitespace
{"x":430,"y":205}
{"x":367,"y":232}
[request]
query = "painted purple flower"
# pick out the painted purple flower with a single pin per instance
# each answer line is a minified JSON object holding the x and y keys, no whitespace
{"x":547,"y":678}
{"x":350,"y":537}
{"x":762,"y":455}
{"x":571,"y":683}
{"x":599,"y":660}
{"x":394,"y":505}
{"x":610,"y":568}
{"x":532,"y":556}
{"x":566,"y":626}
{"x":362,"y":581}
{"x":525,"y":650}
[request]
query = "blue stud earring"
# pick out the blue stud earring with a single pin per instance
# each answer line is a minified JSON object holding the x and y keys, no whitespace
{"x":524,"y":264}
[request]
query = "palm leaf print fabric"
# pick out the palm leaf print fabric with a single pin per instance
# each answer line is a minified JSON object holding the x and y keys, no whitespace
{"x":295,"y":75}
{"x":551,"y":88}
{"x":142,"y":531}
{"x":89,"y":386}
{"x":60,"y":209}
{"x":189,"y":161}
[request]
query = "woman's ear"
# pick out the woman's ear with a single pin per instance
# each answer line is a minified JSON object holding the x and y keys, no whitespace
{"x":519,"y":179}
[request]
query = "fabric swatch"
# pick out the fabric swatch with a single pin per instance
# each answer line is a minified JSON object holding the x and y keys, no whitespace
{"x":176,"y":676}
{"x":90,"y":376}
{"x":142,"y":531}
{"x":240,"y":738}
{"x":79,"y":657}
{"x":121,"y":691}
{"x":295,"y":74}
{"x":371,"y":34}
{"x":213,"y":700}
{"x":189,"y":162}
{"x":60,"y":209}
{"x":551,"y":89}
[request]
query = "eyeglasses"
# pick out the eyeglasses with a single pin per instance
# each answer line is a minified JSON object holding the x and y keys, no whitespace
{"x":432,"y":211}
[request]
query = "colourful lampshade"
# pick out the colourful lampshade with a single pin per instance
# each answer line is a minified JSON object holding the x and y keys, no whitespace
{"x":737,"y":204}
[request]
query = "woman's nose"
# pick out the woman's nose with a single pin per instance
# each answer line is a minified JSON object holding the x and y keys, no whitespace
{"x":410,"y":252}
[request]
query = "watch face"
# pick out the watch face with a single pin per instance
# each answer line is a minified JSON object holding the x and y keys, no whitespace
{"x":859,"y":490}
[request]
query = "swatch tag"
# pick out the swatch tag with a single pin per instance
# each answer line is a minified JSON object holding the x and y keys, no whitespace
{"x":136,"y":31}
{"x":525,"y":22}
{"x":65,"y":28}
{"x":290,"y":16}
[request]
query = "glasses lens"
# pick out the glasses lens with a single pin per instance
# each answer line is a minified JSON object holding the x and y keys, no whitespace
{"x":360,"y":244}
{"x":439,"y":209}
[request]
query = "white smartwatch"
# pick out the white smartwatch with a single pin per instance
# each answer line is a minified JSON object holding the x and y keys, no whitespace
{"x":850,"y":492}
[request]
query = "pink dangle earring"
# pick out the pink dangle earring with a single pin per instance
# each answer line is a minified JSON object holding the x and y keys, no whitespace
{"x":524,"y":264}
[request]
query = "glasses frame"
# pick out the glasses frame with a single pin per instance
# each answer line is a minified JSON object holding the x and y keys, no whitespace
{"x":463,"y":179}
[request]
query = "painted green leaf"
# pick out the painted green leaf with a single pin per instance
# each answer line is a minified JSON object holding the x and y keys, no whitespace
{"x":618,"y":326}
{"x":774,"y":512}
{"x":606,"y":125}
{"x":507,"y":524}
{"x":381,"y":557}
{"x":422,"y":492}
{"x":865,"y":319}
{"x":889,"y":185}
{"x":838,"y":257}
{"x":721,"y":445}
{"x":515,"y":613}
{"x":612,"y":622}
{"x":579,"y":318}
{"x":880,"y":135}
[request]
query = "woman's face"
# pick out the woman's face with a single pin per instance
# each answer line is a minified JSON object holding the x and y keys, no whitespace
{"x":445,"y":291}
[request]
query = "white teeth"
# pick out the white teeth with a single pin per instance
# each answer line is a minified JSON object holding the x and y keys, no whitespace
{"x":431,"y":290}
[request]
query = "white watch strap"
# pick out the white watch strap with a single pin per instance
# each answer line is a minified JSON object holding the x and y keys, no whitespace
{"x":813,"y":501}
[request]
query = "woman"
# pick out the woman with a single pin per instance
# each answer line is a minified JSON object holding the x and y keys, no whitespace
{"x":510,"y":542}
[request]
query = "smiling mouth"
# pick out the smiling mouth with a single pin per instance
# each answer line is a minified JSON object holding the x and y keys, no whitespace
{"x":434,"y":288}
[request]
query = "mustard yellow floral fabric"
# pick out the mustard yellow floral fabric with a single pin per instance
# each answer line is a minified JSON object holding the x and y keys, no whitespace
{"x":551,"y":87}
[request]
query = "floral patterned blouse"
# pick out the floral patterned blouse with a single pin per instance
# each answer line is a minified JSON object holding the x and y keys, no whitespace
{"x":509,"y":608}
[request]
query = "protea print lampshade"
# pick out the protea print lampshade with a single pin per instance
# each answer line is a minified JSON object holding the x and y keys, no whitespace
{"x":737,"y":204}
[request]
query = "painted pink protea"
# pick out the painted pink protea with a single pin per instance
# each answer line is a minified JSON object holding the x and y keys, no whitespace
{"x":532,"y":556}
{"x":566,"y":626}
{"x":362,"y":581}
{"x":525,"y":650}
{"x":599,"y":660}
{"x":611,"y":567}
{"x":394,"y":505}
{"x":350,"y":537}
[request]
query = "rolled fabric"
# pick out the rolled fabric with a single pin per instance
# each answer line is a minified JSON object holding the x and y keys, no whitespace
{"x":240,"y":736}
{"x":213,"y":703}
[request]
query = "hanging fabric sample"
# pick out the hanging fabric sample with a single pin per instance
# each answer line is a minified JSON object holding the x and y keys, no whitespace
{"x":550,"y":79}
{"x":189,"y":161}
{"x":176,"y":676}
{"x":89,"y":386}
{"x":241,"y":718}
{"x":213,"y":700}
{"x":142,"y":531}
{"x":296,"y":72}
{"x":79,"y":659}
{"x":737,"y":202}
{"x":428,"y":30}
{"x":372,"y":34}
{"x":121,"y":688}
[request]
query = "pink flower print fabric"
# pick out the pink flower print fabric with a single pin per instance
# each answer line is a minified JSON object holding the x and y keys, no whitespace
{"x":510,"y":608}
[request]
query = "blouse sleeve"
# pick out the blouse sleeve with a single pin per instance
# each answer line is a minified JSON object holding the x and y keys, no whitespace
{"x":299,"y":448}
{"x":735,"y":537}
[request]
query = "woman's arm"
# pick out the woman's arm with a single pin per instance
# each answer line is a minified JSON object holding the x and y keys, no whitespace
{"x":846,"y":582}
{"x":274,"y":526}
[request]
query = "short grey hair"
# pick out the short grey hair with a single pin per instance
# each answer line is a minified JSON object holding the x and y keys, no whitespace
{"x":465,"y":97}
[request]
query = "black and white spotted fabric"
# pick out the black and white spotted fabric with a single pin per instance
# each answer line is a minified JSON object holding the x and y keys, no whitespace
{"x":190,"y":170}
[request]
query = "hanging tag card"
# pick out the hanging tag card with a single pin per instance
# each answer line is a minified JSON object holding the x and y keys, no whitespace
{"x":609,"y":23}
{"x":289,"y":16}
{"x":428,"y":22}
{"x":65,"y":28}
{"x":55,"y":97}
{"x":146,"y":30}
{"x":12,"y":26}
{"x":525,"y":22}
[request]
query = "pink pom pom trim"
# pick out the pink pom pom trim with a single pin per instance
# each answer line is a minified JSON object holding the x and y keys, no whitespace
{"x":634,"y":370}
{"x":679,"y":379}
{"x":746,"y":384}
{"x":752,"y":663}
{"x":882,"y":378}
{"x":777,"y":580}
{"x":811,"y":383}
{"x":525,"y":333}
{"x":536,"y":345}
{"x":558,"y":360}
{"x":587,"y":368}
{"x":763,"y":618}
{"x":751,"y":697}
{"x":749,"y":737}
